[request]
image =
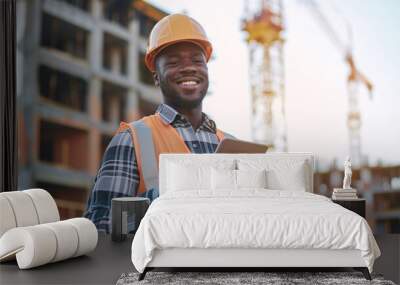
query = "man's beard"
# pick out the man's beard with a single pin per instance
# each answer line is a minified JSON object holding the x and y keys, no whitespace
{"x":171,"y":95}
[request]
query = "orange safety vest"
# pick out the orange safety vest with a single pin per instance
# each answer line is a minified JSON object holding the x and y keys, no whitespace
{"x":166,"y":139}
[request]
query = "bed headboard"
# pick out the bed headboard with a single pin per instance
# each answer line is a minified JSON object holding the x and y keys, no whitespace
{"x":268,"y":158}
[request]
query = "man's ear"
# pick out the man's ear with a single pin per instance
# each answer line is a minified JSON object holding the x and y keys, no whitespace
{"x":156,"y":79}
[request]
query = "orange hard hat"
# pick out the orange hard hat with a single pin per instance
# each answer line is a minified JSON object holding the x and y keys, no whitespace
{"x":173,"y":29}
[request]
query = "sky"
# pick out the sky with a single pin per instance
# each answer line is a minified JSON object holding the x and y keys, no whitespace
{"x":315,"y":74}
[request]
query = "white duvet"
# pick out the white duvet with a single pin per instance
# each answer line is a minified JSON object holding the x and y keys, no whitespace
{"x":252,"y":218}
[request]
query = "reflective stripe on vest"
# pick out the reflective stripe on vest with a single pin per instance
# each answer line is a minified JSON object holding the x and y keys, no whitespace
{"x":149,"y":159}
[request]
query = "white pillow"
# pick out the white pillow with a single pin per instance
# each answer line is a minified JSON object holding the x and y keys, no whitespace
{"x":251,"y":178}
{"x":237,"y":179}
{"x":188,"y":177}
{"x":223,"y":179}
{"x":287,"y":179}
{"x":281,"y":174}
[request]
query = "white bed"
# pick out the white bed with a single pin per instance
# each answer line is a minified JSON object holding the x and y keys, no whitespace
{"x":201,"y":220}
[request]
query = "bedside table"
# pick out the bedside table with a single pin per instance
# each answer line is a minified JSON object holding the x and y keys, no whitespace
{"x":355,"y":205}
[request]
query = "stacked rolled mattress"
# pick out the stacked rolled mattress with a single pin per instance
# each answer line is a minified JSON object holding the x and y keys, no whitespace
{"x":31,"y":231}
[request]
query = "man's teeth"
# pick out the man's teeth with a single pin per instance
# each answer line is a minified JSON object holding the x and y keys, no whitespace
{"x":188,"y":83}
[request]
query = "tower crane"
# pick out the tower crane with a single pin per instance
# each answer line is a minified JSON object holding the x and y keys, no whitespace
{"x":355,"y":78}
{"x":264,"y":26}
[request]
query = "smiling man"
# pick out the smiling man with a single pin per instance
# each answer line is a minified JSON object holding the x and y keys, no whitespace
{"x":177,"y":55}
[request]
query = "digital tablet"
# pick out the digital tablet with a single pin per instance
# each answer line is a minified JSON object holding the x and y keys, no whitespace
{"x":237,"y":146}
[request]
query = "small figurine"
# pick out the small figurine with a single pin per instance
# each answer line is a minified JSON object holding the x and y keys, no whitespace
{"x":347,"y":174}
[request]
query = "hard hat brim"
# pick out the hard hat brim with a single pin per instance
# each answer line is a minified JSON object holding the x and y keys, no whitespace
{"x":151,"y":55}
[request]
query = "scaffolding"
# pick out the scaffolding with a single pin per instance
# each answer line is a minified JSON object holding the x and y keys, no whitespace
{"x":264,"y":26}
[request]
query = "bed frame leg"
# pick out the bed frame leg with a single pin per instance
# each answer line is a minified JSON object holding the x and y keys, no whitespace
{"x":143,"y":274}
{"x":364,"y":271}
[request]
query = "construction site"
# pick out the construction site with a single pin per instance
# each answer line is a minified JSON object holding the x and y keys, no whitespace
{"x":264,"y":25}
{"x":82,"y":72}
{"x":80,"y":67}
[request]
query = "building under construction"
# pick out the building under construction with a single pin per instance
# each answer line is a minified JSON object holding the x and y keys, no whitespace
{"x":378,"y":185}
{"x":80,"y":72}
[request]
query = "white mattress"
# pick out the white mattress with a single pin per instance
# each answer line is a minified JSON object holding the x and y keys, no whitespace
{"x":252,"y":218}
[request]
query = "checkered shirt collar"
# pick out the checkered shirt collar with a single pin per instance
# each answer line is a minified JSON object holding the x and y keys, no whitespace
{"x":170,"y":116}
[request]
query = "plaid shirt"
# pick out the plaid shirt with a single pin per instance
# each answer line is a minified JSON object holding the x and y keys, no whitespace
{"x":118,"y":175}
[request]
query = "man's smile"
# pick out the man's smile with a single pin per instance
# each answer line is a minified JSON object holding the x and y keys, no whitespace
{"x":188,"y":83}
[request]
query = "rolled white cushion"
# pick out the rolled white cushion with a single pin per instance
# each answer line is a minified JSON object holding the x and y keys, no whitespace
{"x":45,"y":205}
{"x":67,"y":240}
{"x":87,"y":235}
{"x":40,"y":244}
{"x":23,"y":208}
{"x":7,"y":218}
{"x":33,"y":246}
